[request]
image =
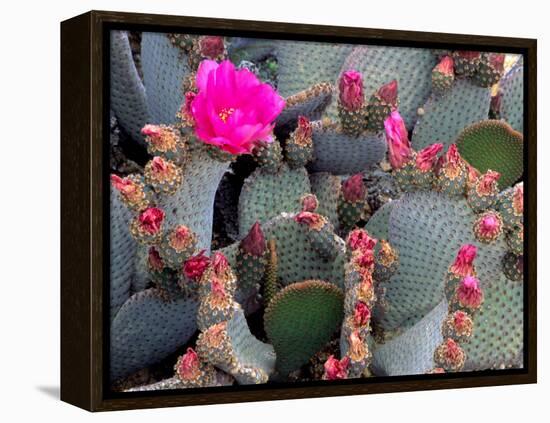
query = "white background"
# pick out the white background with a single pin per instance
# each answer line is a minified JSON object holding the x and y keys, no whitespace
{"x":29,"y":209}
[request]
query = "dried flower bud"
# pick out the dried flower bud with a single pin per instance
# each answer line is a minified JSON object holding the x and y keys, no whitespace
{"x":427,"y":157}
{"x":363,"y":260}
{"x":353,"y":189}
{"x":360,"y":239}
{"x":309,"y":203}
{"x":151,"y":220}
{"x":388,"y":92}
{"x":487,"y":183}
{"x":361,"y":314}
{"x":517,"y":200}
{"x":195,"y":266}
{"x":181,"y":238}
{"x":351,"y":90}
{"x":254,"y":243}
{"x":336,"y":369}
{"x":211,"y":46}
{"x":304,"y":132}
{"x":464,"y":261}
{"x":188,"y":365}
{"x":155,"y":260}
{"x":451,"y":164}
{"x":312,"y":220}
{"x":357,"y":349}
{"x":450,"y":355}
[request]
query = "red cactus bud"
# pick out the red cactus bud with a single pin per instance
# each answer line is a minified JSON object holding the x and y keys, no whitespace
{"x":211,"y":46}
{"x":487,"y":183}
{"x":361,"y":314}
{"x":445,"y":66}
{"x":517,"y":199}
{"x":254,"y":242}
{"x":469,"y":55}
{"x":351,"y":90}
{"x":452,"y":353}
{"x":464,"y":261}
{"x":353,"y":189}
{"x":304,"y":131}
{"x":195,"y":266}
{"x":188,"y":366}
{"x":497,"y":61}
{"x":360,"y":239}
{"x":335,"y":369}
{"x":427,"y":157}
{"x":489,"y":226}
{"x":151,"y":219}
{"x":388,"y":92}
{"x":155,"y":260}
{"x":218,"y":290}
{"x":309,"y":203}
{"x":313,"y":220}
{"x":151,"y":130}
{"x":399,"y":146}
{"x":469,"y":293}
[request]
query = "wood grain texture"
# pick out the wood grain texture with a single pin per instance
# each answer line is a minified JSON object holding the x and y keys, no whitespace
{"x":85,"y":218}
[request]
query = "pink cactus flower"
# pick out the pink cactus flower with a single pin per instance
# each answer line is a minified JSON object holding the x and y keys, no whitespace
{"x":361,"y":314}
{"x":353,"y":189}
{"x":427,"y":157}
{"x":351,"y":90}
{"x":388,"y":92}
{"x":336,"y":369}
{"x":155,"y":260}
{"x":360,"y":239}
{"x":445,"y":66}
{"x":304,"y":131}
{"x":254,"y":243}
{"x":469,"y":293}
{"x":487,"y":183}
{"x":150,"y":220}
{"x":464,"y":261}
{"x":233,"y":109}
{"x":211,"y":46}
{"x":309,"y":203}
{"x":399,"y":146}
{"x":188,"y":366}
{"x":195,"y":266}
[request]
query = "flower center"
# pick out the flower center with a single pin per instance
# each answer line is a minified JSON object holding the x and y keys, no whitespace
{"x":225,"y":113}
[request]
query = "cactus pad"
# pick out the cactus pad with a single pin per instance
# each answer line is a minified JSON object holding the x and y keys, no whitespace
{"x":300,"y":320}
{"x":326,"y":188}
{"x":511,"y":106}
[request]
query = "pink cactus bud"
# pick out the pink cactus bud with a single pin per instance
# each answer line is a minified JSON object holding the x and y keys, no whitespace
{"x":488,"y":226}
{"x":451,"y":163}
{"x":361,"y":314}
{"x":254,"y":242}
{"x":155,"y":260}
{"x":336,"y":369}
{"x":219,"y":263}
{"x":399,"y":146}
{"x":469,"y":293}
{"x":217,"y":288}
{"x":188,"y":366}
{"x":353,"y":189}
{"x":473,"y":174}
{"x":517,"y":199}
{"x":469,"y":55}
{"x":445,"y":66}
{"x":186,"y":108}
{"x":128,"y":188}
{"x":304,"y":131}
{"x":452,"y":353}
{"x":195,"y":266}
{"x":211,"y":46}
{"x":427,"y":157}
{"x":388,"y":92}
{"x":312,"y":220}
{"x":360,"y":239}
{"x":151,"y":130}
{"x":464,"y":261}
{"x":151,"y":219}
{"x":181,"y":238}
{"x":309,"y":203}
{"x":159,"y":165}
{"x":497,"y":61}
{"x":462,"y":323}
{"x":487,"y":183}
{"x":351,"y":90}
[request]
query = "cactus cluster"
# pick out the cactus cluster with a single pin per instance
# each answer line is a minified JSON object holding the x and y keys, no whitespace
{"x":372,"y":208}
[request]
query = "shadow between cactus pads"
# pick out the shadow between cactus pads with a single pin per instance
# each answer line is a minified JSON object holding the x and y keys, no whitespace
{"x":301,"y":319}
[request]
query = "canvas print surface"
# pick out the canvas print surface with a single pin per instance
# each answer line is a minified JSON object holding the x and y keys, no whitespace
{"x":289,"y":211}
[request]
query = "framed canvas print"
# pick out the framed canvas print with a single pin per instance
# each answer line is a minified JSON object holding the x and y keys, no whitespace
{"x":256,"y":211}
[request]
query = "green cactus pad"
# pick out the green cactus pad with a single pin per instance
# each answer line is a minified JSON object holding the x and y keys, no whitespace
{"x":497,"y":341}
{"x":411,"y":67}
{"x":123,"y":254}
{"x":264,"y":195}
{"x":411,"y":352}
{"x":147,"y":328}
{"x":193,"y":203}
{"x":298,"y":260}
{"x":300,"y":320}
{"x":444,"y":117}
{"x":511,"y":106}
{"x":128,"y":98}
{"x":165,"y":67}
{"x":326,"y":188}
{"x":342,"y":154}
{"x":493,"y":145}
{"x":427,"y":229}
{"x":303,"y":64}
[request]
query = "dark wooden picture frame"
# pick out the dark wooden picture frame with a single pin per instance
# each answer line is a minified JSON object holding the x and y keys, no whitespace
{"x":84,"y":158}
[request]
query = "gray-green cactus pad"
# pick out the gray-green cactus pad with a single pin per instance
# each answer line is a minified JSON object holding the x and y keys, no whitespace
{"x":377,"y":226}
{"x":123,"y":253}
{"x":297,"y":259}
{"x":412,"y":351}
{"x":428,"y":229}
{"x":445,"y":117}
{"x":497,"y":342}
{"x":165,"y":67}
{"x":309,"y":103}
{"x":511,"y":106}
{"x":264,"y":195}
{"x":326,"y":188}
{"x":341,"y":154}
{"x":147,"y":328}
{"x":128,"y":98}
